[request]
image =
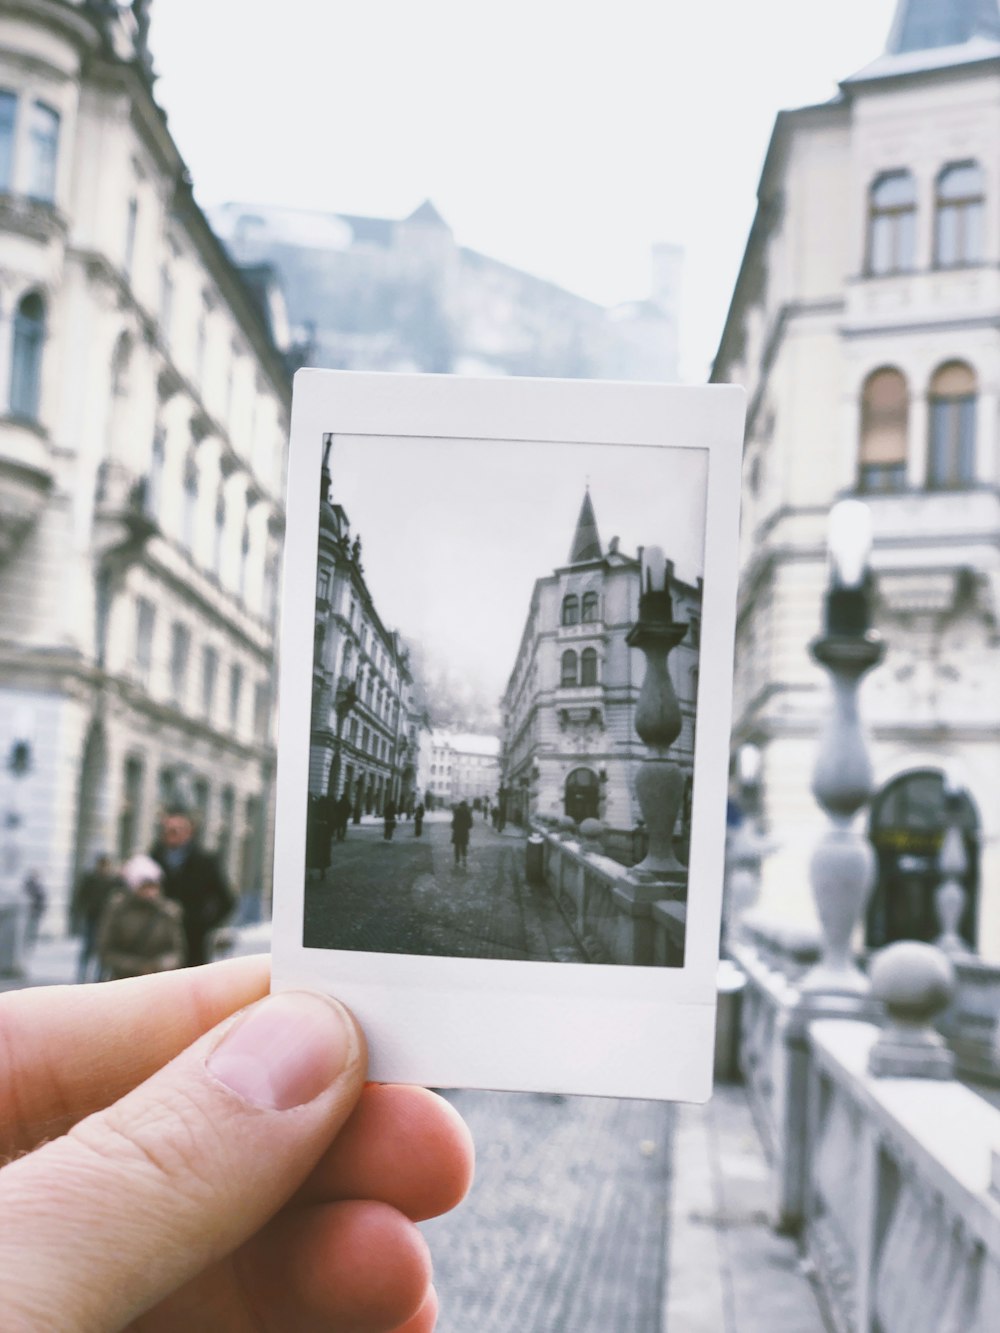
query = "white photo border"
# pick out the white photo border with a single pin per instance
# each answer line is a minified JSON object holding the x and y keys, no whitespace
{"x":464,"y":1022}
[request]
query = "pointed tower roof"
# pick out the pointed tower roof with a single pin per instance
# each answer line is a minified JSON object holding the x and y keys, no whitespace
{"x":428,"y":215}
{"x":933,"y":35}
{"x":586,"y":541}
{"x":923,"y":25}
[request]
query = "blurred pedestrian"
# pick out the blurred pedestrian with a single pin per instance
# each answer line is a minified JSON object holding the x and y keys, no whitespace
{"x":461,"y":826}
{"x":389,"y":819}
{"x":318,"y":835}
{"x":34,"y":891}
{"x":141,"y":931}
{"x":418,"y":820}
{"x":91,"y":897}
{"x":343,"y":815}
{"x":193,"y":879}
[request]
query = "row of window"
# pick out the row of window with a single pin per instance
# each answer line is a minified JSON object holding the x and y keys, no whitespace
{"x":179,"y":672}
{"x":580,"y":670}
{"x":369,"y":741}
{"x":959,"y":219}
{"x":951,"y":429}
{"x":575,"y":613}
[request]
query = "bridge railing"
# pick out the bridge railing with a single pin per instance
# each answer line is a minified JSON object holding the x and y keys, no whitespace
{"x":893,"y":1184}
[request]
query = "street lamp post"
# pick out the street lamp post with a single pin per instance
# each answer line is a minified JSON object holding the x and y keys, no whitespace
{"x":843,"y":863}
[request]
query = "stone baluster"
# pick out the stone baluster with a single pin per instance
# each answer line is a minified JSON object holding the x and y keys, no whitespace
{"x":843,"y":864}
{"x":659,"y":784}
{"x":953,"y":865}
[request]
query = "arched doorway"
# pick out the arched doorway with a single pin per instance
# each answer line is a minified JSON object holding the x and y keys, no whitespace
{"x":582,"y":794}
{"x":907,"y":827}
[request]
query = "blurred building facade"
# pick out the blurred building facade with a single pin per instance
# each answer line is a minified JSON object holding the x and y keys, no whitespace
{"x":143,"y":418}
{"x":367,"y":722}
{"x":464,"y":767}
{"x":569,"y":744}
{"x":865,"y":325}
{"x":387,"y":294}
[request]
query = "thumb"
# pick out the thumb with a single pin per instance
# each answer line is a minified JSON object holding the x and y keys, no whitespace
{"x":102,"y":1223}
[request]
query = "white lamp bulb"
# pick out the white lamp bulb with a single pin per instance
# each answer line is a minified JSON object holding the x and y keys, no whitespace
{"x":850,"y":542}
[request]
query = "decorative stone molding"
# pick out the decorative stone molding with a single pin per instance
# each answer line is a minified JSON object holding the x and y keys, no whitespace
{"x":915,"y":982}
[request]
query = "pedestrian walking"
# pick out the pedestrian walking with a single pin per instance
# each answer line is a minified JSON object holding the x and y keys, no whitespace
{"x":141,"y":931}
{"x":343,"y":815}
{"x":192,"y":878}
{"x":34,"y":891}
{"x":418,"y":820}
{"x":461,"y":826}
{"x":389,"y":818}
{"x":89,"y":901}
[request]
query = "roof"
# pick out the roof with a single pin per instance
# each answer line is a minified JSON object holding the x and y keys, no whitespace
{"x":428,"y":215}
{"x":586,"y":540}
{"x":467,"y":742}
{"x":936,"y":34}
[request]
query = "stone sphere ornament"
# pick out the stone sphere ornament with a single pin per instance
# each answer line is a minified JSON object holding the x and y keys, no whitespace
{"x":916,"y":983}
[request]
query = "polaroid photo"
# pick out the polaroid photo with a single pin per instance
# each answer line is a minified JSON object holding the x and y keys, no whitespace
{"x":506,"y":671}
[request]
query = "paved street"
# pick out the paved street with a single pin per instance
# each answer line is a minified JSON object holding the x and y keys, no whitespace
{"x":407,"y":896}
{"x":565,"y":1227}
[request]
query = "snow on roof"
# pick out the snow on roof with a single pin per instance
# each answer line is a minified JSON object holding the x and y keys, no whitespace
{"x":919,"y":62}
{"x":467,"y":742}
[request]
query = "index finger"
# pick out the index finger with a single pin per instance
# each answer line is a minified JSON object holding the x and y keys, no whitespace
{"x":66,"y":1051}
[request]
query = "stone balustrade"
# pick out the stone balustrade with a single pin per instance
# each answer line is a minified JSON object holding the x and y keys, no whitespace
{"x":607,"y":913}
{"x":900,"y":1221}
{"x":892,"y":1183}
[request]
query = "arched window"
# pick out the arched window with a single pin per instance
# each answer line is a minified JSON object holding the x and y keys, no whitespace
{"x":190,"y":502}
{"x":571,"y":610}
{"x":588,"y":667}
{"x":26,"y":362}
{"x":591,"y":608}
{"x":568,"y":672}
{"x":951,"y":454}
{"x":960,"y":214}
{"x":154,"y":486}
{"x":884,"y":411}
{"x":892,"y":223}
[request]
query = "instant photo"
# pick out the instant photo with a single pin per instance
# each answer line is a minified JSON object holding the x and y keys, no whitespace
{"x":506,"y":665}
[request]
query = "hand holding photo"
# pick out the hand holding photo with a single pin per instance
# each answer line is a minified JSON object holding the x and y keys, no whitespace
{"x":500,"y":792}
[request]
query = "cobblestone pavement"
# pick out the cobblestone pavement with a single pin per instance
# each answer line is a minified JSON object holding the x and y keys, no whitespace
{"x":564,"y":1230}
{"x":407,"y":896}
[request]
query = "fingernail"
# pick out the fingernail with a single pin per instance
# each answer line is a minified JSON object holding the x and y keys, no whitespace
{"x":284,"y":1051}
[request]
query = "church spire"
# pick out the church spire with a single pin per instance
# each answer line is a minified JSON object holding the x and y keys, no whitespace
{"x":586,"y":542}
{"x":923,"y":25}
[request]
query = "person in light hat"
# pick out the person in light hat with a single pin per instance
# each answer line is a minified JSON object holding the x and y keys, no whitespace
{"x":141,"y":931}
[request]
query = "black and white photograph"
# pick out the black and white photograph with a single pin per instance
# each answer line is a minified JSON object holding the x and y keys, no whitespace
{"x":504,"y":697}
{"x":508,"y":617}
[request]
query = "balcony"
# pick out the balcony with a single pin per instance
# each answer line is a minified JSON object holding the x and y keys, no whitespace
{"x":26,"y":478}
{"x":122,"y":521}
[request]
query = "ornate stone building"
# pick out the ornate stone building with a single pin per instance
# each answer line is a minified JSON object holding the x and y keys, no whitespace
{"x":388,"y":294}
{"x":143,"y":420}
{"x":367,"y":722}
{"x":865,"y":325}
{"x":569,"y":744}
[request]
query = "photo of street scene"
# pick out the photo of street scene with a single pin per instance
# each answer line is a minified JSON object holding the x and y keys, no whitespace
{"x":504,"y":696}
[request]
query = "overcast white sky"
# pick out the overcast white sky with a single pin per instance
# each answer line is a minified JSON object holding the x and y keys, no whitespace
{"x":455,"y":532}
{"x":562,"y":136}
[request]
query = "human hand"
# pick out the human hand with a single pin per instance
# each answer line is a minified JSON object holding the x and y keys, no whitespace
{"x":253,"y":1183}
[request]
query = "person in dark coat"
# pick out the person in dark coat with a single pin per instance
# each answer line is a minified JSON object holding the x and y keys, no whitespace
{"x":343,"y":815}
{"x":318,"y":835}
{"x":418,"y":820}
{"x":192,"y":878}
{"x":89,"y":901}
{"x":389,"y":817}
{"x":141,"y":931}
{"x":461,"y":826}
{"x":34,"y":891}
